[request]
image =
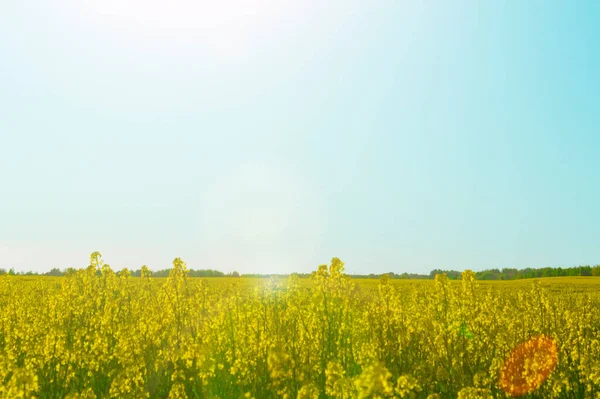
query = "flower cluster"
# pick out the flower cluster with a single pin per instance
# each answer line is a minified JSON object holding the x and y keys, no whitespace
{"x":100,"y":334}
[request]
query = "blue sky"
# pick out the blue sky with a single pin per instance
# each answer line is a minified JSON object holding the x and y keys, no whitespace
{"x":265,"y":136}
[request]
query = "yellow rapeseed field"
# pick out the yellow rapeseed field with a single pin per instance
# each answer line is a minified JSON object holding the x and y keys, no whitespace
{"x":109,"y":335}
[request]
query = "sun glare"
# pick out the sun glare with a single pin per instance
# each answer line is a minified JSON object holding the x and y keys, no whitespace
{"x":227,"y":27}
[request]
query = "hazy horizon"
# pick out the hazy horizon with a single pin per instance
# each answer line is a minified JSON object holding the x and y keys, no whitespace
{"x":269,"y":137}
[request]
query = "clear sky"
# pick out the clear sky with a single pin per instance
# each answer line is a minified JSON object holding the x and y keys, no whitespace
{"x":270,"y":136}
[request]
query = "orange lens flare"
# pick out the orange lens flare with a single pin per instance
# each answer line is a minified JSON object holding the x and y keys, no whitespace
{"x":529,"y":365}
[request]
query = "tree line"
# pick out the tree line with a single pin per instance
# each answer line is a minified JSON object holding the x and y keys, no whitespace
{"x":488,"y":274}
{"x":135,"y":273}
{"x":503,"y":274}
{"x":517,"y":274}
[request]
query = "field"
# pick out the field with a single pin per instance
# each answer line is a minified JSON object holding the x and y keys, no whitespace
{"x":89,"y":336}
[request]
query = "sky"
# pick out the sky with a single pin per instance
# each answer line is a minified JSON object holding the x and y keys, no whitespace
{"x":271,"y":136}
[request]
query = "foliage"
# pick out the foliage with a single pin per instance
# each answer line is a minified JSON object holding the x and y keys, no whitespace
{"x":515,"y":274}
{"x":98,"y":333}
{"x":488,"y":274}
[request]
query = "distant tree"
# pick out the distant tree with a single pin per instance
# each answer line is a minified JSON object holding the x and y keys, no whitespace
{"x":489,"y":275}
{"x":162,"y":273}
{"x":11,"y":271}
{"x":573,"y":271}
{"x":509,"y":274}
{"x":453,"y":274}
{"x":547,"y":272}
{"x":55,"y":272}
{"x":191,"y":273}
{"x":434,"y":272}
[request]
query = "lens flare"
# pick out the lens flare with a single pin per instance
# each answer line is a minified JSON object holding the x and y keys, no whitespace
{"x":529,"y":365}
